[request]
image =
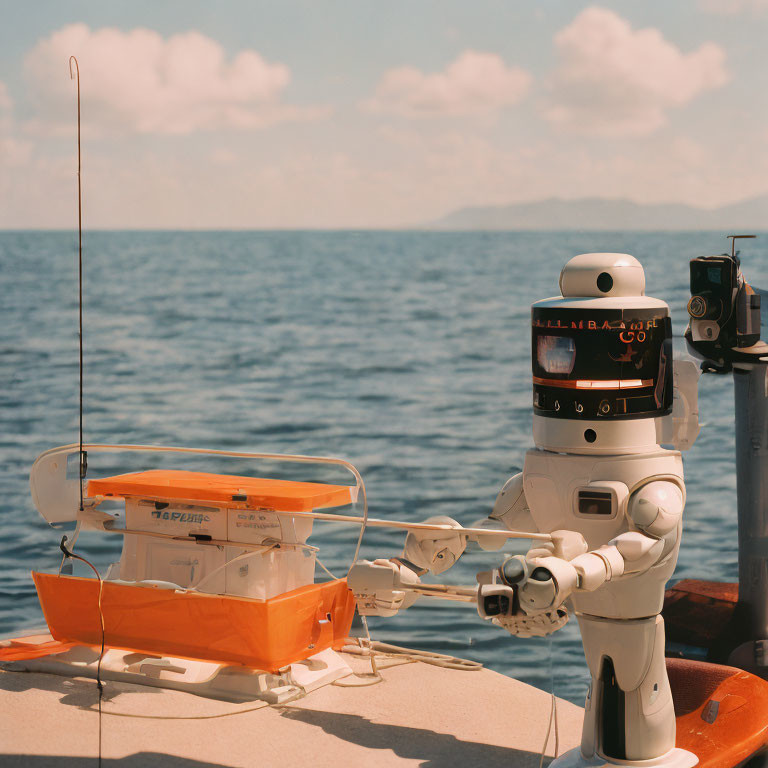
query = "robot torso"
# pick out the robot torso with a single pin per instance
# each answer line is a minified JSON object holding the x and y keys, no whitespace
{"x":590,"y":494}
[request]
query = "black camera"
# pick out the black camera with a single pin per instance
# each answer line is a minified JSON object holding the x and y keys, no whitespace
{"x":724,"y":311}
{"x":497,"y":605}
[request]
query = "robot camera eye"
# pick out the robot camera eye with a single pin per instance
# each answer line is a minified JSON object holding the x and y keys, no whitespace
{"x":604,"y":282}
{"x":541,"y":574}
{"x":512,"y":571}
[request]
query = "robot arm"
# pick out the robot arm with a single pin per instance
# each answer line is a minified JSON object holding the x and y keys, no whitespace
{"x":681,"y":427}
{"x":378,"y":586}
{"x":510,"y":511}
{"x":655,"y":510}
{"x":437,"y":552}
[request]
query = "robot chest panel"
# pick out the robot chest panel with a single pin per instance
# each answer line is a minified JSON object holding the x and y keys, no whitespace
{"x":586,"y":493}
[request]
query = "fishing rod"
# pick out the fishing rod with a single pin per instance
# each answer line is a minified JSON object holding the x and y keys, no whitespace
{"x":374,"y":522}
{"x":444,"y":591}
{"x":82,"y":457}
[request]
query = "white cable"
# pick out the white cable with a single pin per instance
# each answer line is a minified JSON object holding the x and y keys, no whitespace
{"x":408,"y":655}
{"x":426,"y":657}
{"x":266,"y":548}
{"x":319,"y":562}
{"x":552,"y":710}
{"x":376,"y":675}
{"x":64,"y":557}
{"x":549,"y":730}
{"x":68,"y":553}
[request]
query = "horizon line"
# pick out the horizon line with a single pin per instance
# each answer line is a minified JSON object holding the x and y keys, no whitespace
{"x":422,"y":229}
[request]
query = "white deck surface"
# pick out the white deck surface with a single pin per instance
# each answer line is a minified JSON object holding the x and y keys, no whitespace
{"x":419,"y":716}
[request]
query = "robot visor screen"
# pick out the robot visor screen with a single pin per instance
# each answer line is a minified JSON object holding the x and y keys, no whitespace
{"x":556,"y":354}
{"x":609,"y":363}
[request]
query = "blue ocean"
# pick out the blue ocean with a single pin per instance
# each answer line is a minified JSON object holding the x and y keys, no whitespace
{"x":407,"y":353}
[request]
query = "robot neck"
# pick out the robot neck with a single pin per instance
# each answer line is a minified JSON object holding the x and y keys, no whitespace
{"x":610,"y":437}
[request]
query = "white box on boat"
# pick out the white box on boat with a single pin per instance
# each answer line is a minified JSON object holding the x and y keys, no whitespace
{"x":257,"y":575}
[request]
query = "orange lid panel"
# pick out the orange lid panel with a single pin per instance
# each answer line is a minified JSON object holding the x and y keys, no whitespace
{"x":229,"y":490}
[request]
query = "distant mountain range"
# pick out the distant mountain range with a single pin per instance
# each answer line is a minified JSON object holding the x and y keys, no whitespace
{"x":594,"y":213}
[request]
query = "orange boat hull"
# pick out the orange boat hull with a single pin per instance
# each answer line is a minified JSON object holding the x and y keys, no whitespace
{"x":722,"y":712}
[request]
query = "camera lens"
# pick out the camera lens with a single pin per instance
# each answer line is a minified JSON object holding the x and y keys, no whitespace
{"x":496,"y":605}
{"x":541,"y":574}
{"x":697,"y":306}
{"x":512,"y":571}
{"x":705,"y":306}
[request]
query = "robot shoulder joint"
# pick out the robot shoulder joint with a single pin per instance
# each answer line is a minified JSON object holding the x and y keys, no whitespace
{"x":656,"y":508}
{"x":511,"y":506}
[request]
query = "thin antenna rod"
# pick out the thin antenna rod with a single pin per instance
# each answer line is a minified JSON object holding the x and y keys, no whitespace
{"x":76,"y":75}
{"x":734,"y":238}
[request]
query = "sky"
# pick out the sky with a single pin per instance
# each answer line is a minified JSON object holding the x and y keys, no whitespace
{"x":370,"y":114}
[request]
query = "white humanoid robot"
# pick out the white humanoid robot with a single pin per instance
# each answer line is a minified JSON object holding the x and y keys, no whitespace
{"x":611,"y":497}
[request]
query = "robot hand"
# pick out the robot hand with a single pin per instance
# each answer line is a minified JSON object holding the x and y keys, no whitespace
{"x":435,"y":551}
{"x":377,"y":586}
{"x":538,"y":625}
{"x":500,"y":602}
{"x":549,"y":583}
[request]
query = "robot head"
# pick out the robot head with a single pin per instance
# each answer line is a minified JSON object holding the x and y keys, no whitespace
{"x":602,"y":359}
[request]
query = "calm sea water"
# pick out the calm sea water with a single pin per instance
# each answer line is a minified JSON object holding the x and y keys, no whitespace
{"x":406,"y":353}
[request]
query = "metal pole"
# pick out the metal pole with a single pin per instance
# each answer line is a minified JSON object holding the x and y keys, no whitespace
{"x":751,"y":399}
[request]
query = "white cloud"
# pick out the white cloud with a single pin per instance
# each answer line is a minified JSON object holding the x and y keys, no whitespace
{"x":474,"y":83}
{"x":445,"y":171}
{"x":5,"y":98}
{"x":411,"y":175}
{"x":613,"y":80}
{"x":139,"y":82}
{"x":733,"y":7}
{"x":13,"y":151}
{"x":223,"y":156}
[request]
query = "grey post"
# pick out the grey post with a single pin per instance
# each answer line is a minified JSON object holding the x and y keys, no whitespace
{"x":751,"y":399}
